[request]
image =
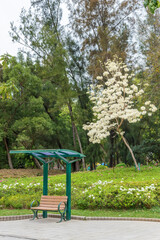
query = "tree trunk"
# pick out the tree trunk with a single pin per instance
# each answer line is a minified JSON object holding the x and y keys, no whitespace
{"x":132,"y":154}
{"x":80,"y":146}
{"x":117,"y":157}
{"x":59,"y":143}
{"x":8,"y":154}
{"x":102,"y":147}
{"x":91,"y":166}
{"x":75,"y":164}
{"x":105,"y":153}
{"x":38,"y":165}
{"x":116,"y":152}
{"x":94,"y":164}
{"x":112,"y":149}
{"x":77,"y":135}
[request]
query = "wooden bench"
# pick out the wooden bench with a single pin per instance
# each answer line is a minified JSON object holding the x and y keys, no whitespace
{"x":51,"y":203}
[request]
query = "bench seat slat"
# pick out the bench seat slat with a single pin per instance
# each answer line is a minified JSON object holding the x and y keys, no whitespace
{"x":46,"y":208}
{"x":54,"y":201}
{"x":52,"y":206}
{"x":54,"y":197}
{"x":46,"y":205}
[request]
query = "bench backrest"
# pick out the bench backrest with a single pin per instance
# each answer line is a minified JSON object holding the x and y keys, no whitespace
{"x":53,"y":201}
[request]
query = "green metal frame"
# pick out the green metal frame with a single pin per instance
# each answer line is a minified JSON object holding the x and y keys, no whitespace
{"x":45,"y":184}
{"x":62,"y":213}
{"x":34,"y":211}
{"x":62,"y":154}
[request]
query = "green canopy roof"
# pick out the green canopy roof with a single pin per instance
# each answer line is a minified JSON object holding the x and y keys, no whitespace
{"x":50,"y":153}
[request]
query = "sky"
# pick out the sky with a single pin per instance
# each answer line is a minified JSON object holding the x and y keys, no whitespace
{"x":10,"y":11}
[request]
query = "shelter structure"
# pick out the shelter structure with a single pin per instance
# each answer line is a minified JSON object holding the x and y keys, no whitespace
{"x":46,"y":156}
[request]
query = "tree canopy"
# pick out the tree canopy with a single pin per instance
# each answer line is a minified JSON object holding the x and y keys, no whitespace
{"x":152,"y":5}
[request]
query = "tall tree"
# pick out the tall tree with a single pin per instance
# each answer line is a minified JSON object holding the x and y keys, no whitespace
{"x":42,"y":34}
{"x":102,"y":27}
{"x":14,"y":109}
{"x":149,"y":31}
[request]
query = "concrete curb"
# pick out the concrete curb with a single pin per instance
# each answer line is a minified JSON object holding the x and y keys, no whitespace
{"x":29,"y":216}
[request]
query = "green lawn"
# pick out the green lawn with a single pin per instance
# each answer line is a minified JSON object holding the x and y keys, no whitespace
{"x":145,"y":213}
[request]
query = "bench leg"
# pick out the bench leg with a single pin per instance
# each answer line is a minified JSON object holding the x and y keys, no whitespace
{"x":35,"y":212}
{"x":62,"y":213}
{"x":63,"y":217}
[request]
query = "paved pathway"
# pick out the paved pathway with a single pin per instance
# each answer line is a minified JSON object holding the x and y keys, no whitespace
{"x":48,"y":229}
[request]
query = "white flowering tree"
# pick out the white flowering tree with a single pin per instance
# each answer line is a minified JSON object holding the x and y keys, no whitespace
{"x":114,"y":101}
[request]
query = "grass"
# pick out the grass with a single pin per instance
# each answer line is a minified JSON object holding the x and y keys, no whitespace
{"x":147,"y":173}
{"x":19,"y":192}
{"x":145,"y":213}
{"x":11,"y":212}
{"x":139,"y":213}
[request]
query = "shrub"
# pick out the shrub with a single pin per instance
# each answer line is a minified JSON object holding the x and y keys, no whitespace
{"x":110,"y":195}
{"x":18,"y":201}
{"x":121,"y":165}
{"x":118,"y":189}
{"x":101,"y":167}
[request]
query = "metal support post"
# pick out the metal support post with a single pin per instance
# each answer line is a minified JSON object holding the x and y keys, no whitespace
{"x":45,"y":184}
{"x":68,"y":190}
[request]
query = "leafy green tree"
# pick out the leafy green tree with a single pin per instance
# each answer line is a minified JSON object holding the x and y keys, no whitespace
{"x":23,"y":121}
{"x":152,"y":5}
{"x":7,"y":88}
{"x":150,"y":45}
{"x":43,"y":35}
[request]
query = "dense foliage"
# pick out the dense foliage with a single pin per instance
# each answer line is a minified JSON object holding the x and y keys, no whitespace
{"x":152,"y":5}
{"x":44,"y":101}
